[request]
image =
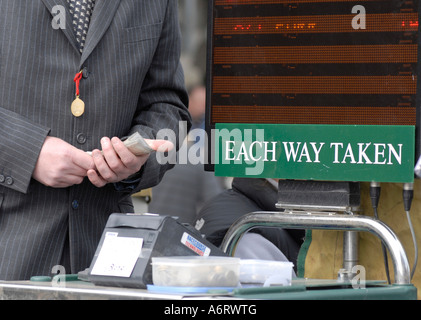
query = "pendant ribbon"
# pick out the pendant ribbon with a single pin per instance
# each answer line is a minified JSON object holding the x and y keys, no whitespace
{"x":78,"y":106}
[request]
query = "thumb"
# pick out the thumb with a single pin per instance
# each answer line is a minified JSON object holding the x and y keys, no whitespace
{"x":160,"y":145}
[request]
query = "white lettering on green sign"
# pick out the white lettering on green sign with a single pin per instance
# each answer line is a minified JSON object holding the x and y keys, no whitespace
{"x":319,"y":152}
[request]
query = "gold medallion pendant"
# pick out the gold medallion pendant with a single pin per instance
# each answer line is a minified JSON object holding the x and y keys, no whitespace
{"x":78,"y":107}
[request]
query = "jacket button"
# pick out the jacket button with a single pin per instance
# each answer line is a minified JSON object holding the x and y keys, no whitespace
{"x":75,"y":204}
{"x":81,"y":138}
{"x":9,"y":181}
{"x":85,"y":73}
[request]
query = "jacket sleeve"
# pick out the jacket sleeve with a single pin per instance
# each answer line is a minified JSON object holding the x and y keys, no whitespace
{"x":163,"y":102}
{"x":20,"y":144}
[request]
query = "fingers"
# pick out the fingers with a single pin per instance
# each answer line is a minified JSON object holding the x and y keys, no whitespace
{"x":115,"y":163}
{"x":61,"y":165}
{"x":96,"y":179}
{"x":69,"y":180}
{"x":125,"y":156}
{"x":83,"y":160}
{"x":103,"y":168}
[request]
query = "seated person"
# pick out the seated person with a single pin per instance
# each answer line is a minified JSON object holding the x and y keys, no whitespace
{"x":249,"y":195}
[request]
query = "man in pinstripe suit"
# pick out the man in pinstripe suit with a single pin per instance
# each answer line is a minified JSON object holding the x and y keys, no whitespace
{"x":54,"y":198}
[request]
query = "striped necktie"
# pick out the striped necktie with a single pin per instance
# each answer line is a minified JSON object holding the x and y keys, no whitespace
{"x":81,"y":11}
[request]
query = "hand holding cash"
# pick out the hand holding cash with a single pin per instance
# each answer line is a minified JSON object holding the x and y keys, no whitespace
{"x":119,"y":160}
{"x":140,"y":146}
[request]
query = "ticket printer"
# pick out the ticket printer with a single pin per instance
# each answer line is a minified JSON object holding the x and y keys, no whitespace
{"x":129,"y":241}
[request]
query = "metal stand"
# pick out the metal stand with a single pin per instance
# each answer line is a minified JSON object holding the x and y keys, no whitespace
{"x":328,"y":197}
{"x":350,"y":255}
{"x":351,"y":224}
{"x":328,"y":206}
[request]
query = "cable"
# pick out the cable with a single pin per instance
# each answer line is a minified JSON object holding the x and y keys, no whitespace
{"x":375,"y":196}
{"x":408,"y":194}
{"x":414,"y":239}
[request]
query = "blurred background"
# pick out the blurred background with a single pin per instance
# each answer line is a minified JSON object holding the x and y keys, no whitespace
{"x":193,"y":22}
{"x":185,"y":189}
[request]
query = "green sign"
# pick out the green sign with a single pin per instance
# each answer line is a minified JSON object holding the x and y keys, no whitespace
{"x":315,"y":152}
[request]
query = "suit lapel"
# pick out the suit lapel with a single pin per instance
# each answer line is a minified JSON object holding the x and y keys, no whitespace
{"x":68,"y":31}
{"x":102,"y":17}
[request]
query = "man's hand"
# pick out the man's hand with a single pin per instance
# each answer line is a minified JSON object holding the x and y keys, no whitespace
{"x":61,"y":165}
{"x":116,"y":163}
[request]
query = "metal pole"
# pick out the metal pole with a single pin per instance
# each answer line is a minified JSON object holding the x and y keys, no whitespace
{"x":350,"y":252}
{"x":299,"y":220}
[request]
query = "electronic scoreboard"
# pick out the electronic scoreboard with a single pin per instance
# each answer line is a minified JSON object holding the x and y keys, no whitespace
{"x":332,"y":84}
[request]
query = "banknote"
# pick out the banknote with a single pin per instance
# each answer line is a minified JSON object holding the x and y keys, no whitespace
{"x":136,"y":144}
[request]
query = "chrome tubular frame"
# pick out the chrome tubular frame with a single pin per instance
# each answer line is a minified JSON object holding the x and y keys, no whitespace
{"x":329,"y":221}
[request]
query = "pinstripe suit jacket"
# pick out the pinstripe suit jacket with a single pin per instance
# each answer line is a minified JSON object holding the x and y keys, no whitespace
{"x":133,"y":82}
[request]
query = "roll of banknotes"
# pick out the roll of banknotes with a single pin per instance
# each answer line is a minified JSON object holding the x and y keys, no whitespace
{"x":136,"y":144}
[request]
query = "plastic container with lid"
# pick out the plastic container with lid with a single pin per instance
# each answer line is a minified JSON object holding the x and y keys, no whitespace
{"x":196,"y":271}
{"x":266,"y":272}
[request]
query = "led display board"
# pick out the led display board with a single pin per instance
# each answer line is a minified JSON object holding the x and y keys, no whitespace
{"x":322,"y":63}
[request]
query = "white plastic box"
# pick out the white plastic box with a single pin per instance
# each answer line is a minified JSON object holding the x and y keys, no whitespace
{"x":195,"y":271}
{"x":266,"y":272}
